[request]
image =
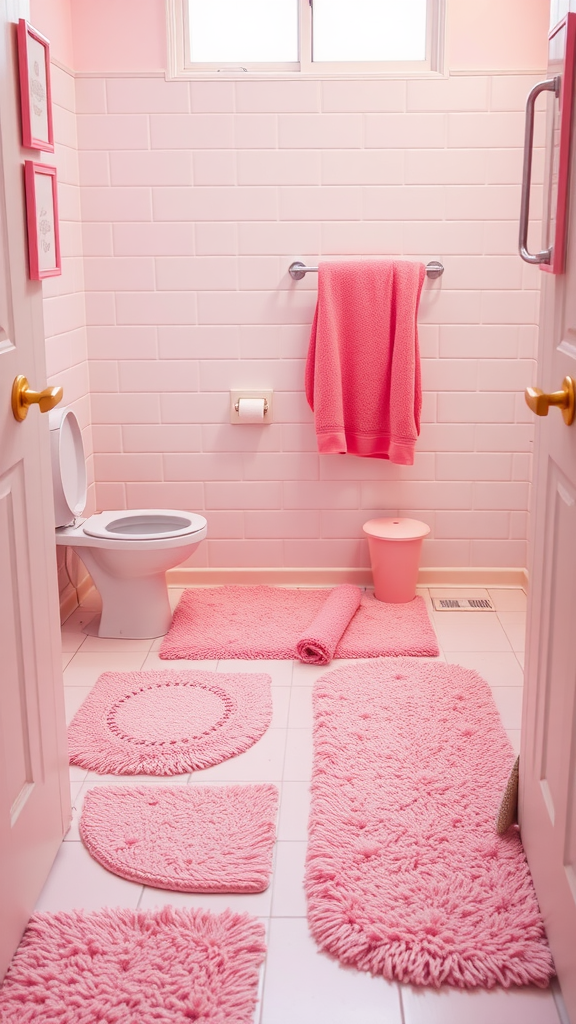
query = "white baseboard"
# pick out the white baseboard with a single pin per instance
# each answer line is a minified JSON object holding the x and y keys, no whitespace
{"x":451,"y":577}
{"x":427,"y":577}
{"x":473,"y":576}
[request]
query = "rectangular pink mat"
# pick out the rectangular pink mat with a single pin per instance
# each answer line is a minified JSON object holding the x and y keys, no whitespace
{"x":267,"y":622}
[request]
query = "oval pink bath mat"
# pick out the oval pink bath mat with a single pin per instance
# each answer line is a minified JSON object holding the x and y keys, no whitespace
{"x":406,"y":876}
{"x":135,"y":967}
{"x":168,"y":722}
{"x":184,"y":838}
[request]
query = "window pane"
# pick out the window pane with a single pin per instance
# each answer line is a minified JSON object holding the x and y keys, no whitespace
{"x":243,"y":31}
{"x":369,"y":30}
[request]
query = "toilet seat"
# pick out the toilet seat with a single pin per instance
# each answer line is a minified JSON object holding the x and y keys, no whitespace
{"x":143,"y":524}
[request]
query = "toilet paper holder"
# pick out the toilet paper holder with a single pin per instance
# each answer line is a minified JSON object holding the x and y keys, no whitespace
{"x":237,"y":396}
{"x":237,"y":405}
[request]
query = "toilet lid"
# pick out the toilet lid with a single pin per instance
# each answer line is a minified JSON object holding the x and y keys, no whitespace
{"x":68,"y":466}
{"x":143,"y":524}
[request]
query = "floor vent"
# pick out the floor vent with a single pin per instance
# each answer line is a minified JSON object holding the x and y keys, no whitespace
{"x":463,"y":604}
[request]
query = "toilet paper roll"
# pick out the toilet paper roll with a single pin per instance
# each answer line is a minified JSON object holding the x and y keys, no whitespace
{"x":251,"y":409}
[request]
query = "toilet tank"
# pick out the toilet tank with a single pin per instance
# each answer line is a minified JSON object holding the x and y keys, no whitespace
{"x":68,"y":466}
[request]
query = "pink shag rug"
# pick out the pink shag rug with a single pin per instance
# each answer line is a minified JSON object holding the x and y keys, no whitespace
{"x":168,"y":722}
{"x":166,"y":966}
{"x":268,"y":622}
{"x":185,"y":838}
{"x":406,"y":876}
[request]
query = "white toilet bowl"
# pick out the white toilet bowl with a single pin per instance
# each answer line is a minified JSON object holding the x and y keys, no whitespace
{"x":126,"y":552}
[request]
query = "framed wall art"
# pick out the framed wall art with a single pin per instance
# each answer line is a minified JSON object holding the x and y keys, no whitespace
{"x":35,"y":93}
{"x":42,"y":218}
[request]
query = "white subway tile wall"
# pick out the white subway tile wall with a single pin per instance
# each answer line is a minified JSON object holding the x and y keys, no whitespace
{"x":193,"y":199}
{"x":64,"y":296}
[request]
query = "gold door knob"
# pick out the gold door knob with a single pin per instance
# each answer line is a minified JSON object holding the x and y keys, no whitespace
{"x":540,"y":402}
{"x":23,"y":397}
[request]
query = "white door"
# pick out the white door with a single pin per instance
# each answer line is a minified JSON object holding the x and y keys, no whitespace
{"x":34,"y":789}
{"x":548,"y":753}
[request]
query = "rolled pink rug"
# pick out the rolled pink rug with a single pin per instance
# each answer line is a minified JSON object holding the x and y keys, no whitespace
{"x":317,"y":644}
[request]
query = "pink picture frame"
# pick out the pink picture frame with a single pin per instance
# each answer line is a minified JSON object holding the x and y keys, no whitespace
{"x":42,"y":220}
{"x":35,"y":89}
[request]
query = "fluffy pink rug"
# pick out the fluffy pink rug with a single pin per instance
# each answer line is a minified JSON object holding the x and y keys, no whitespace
{"x":168,"y":722}
{"x":164,"y":966}
{"x":267,"y":622}
{"x":187,"y":838}
{"x":320,"y":639}
{"x":405,"y":875}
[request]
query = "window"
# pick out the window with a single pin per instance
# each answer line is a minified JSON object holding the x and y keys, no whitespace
{"x":309,"y":36}
{"x":240,"y":32}
{"x":369,"y":30}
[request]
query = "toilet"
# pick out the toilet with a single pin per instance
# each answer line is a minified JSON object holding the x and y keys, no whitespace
{"x":126,"y":552}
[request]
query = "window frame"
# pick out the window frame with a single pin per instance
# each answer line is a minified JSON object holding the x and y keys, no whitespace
{"x":180,"y":65}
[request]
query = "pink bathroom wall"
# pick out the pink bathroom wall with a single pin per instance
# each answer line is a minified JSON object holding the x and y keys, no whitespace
{"x":125,"y":36}
{"x":489,"y":35}
{"x":54,"y":20}
{"x":195,"y":199}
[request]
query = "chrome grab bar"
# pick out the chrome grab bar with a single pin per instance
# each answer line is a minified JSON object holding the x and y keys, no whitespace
{"x":545,"y":256}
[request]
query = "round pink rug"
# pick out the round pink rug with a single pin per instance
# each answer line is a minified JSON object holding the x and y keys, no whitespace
{"x":168,"y":722}
{"x":166,"y":966}
{"x":184,"y":838}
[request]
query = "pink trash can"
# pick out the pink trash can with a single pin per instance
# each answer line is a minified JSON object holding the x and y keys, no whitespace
{"x":395,"y":546}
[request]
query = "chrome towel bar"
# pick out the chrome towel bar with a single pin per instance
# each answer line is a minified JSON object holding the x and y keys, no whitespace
{"x":297,"y":270}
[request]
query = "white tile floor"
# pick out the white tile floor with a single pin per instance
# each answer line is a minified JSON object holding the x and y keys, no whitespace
{"x":299,"y":983}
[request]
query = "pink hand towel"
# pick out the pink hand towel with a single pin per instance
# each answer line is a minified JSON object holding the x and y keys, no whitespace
{"x":363,"y":366}
{"x":317,"y":644}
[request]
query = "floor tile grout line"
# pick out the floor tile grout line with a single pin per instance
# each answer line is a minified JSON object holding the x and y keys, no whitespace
{"x":272,"y":886}
{"x":401,"y":1004}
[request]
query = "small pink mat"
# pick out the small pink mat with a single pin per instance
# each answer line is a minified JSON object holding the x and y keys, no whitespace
{"x":267,"y":622}
{"x":135,"y":967}
{"x":186,"y":838}
{"x":406,"y":876}
{"x":168,"y":722}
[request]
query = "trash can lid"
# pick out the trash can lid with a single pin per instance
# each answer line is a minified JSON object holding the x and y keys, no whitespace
{"x":396,"y":529}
